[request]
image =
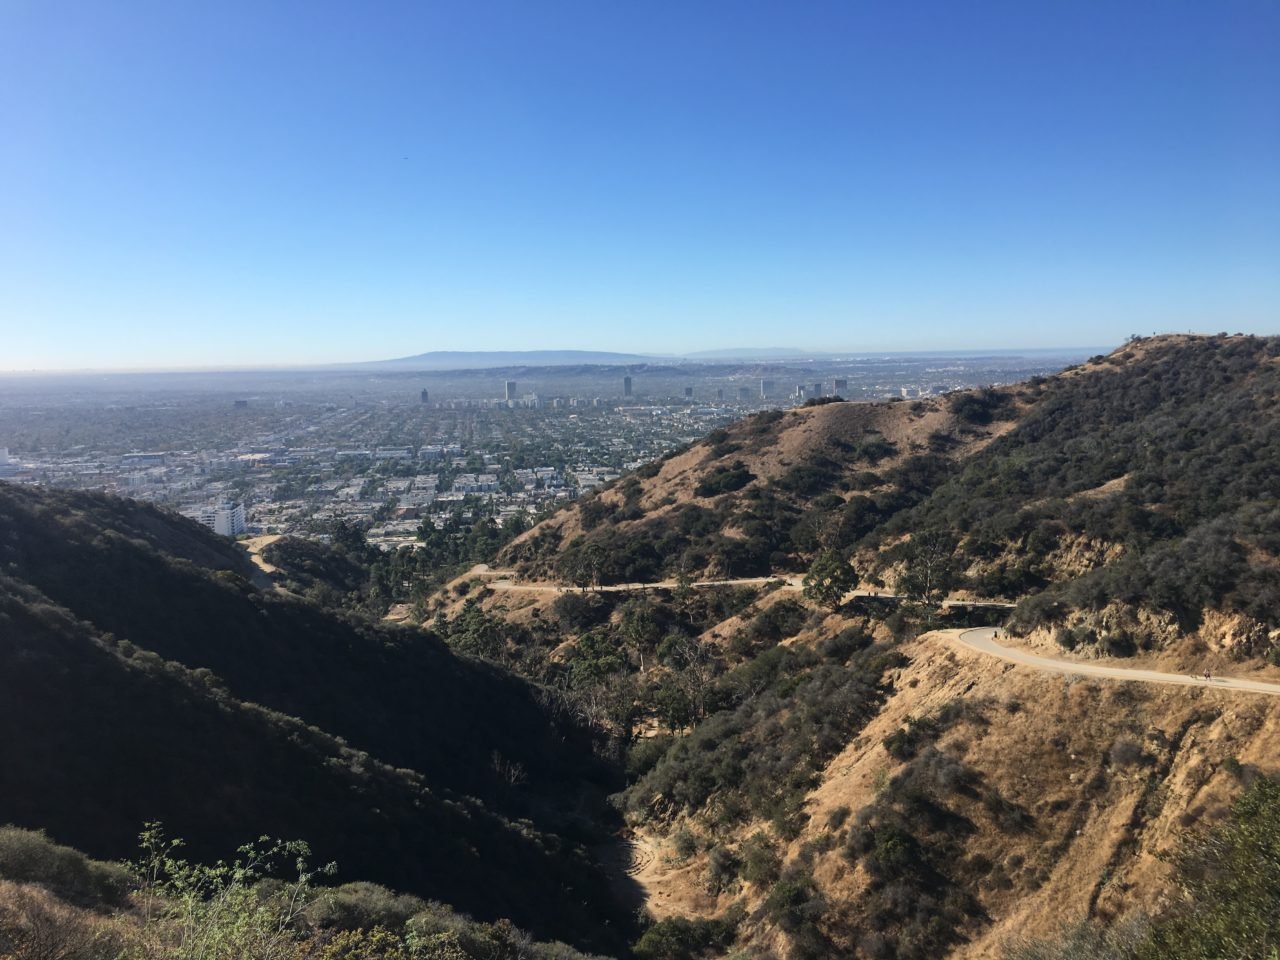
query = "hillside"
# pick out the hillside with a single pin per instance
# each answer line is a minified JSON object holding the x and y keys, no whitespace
{"x":1123,"y":502}
{"x":763,"y":495}
{"x":813,"y":779}
{"x":168,"y":688}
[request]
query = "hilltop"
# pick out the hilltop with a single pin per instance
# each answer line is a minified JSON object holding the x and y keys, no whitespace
{"x":753,"y":498}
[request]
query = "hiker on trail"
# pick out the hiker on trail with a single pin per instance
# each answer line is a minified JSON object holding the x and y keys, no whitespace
{"x":1207,"y":676}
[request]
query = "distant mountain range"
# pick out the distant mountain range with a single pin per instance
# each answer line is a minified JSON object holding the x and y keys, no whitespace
{"x":752,"y":353}
{"x":490,"y":359}
{"x":479,"y":359}
{"x":485,"y":359}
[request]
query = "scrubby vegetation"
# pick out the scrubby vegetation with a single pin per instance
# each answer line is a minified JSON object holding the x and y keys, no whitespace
{"x":344,"y":572}
{"x":267,"y":902}
{"x":773,"y":723}
{"x":1170,"y":460}
{"x":680,"y":939}
{"x":911,"y":842}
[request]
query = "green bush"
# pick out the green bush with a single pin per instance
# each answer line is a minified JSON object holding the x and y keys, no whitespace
{"x":724,"y":479}
{"x":760,"y":861}
{"x":677,"y":938}
{"x":28,"y":856}
{"x":645,"y":753}
{"x":723,"y":867}
{"x":361,"y":905}
{"x":685,"y":843}
{"x":794,"y":902}
{"x":1230,"y":878}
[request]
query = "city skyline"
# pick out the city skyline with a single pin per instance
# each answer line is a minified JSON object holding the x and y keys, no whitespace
{"x":246,"y":186}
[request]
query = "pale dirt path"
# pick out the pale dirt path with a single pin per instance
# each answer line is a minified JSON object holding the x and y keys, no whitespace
{"x":790,"y":581}
{"x":255,"y":546}
{"x":507,"y":582}
{"x":982,"y":640}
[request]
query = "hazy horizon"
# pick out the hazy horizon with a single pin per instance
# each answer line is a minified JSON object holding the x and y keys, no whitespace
{"x":731,"y":356}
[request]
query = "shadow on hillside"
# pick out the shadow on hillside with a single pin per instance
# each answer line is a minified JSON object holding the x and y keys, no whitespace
{"x":621,"y":860}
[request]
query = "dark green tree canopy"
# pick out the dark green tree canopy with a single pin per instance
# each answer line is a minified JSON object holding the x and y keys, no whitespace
{"x":829,"y":579}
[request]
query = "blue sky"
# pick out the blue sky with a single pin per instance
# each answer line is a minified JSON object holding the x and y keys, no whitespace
{"x":273,"y":182}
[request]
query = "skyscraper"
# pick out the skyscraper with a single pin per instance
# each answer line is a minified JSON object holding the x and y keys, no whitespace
{"x":841,"y":386}
{"x":511,"y":390}
{"x":626,"y":386}
{"x":766,"y":388}
{"x":424,"y":396}
{"x":688,"y":393}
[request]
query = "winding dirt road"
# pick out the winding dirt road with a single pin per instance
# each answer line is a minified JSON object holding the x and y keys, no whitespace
{"x":512,"y":586}
{"x":787,"y":581}
{"x":983,"y":640}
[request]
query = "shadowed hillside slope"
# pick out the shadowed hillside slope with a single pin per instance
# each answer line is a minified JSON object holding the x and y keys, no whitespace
{"x":139,"y":684}
{"x":144,"y":576}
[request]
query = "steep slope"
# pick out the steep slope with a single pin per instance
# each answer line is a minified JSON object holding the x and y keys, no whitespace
{"x":981,"y":804}
{"x":1141,"y":491}
{"x":144,"y":576}
{"x":136,"y":684}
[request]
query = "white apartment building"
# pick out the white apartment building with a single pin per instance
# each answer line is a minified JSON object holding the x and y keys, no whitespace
{"x":225,"y":519}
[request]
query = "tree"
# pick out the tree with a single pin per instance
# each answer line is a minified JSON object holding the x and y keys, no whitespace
{"x":931,"y":569}
{"x":639,"y":628}
{"x":348,"y":537}
{"x":516,"y":524}
{"x":693,"y":668}
{"x":829,"y":579}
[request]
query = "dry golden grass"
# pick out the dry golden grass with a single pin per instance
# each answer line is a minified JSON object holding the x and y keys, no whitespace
{"x":36,"y":925}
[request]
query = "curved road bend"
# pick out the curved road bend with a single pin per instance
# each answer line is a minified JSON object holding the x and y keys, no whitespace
{"x":982,"y":640}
